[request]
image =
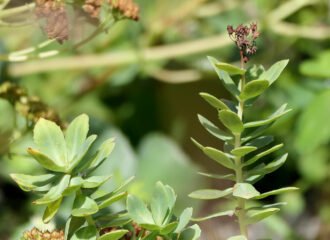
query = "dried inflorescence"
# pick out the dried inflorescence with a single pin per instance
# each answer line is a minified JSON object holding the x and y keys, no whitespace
{"x":126,"y":8}
{"x":36,"y":234}
{"x":245,"y":39}
{"x":56,"y":19}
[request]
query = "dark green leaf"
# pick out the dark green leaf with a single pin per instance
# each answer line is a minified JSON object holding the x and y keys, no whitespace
{"x":51,"y":210}
{"x":253,"y":89}
{"x":219,"y":157}
{"x":271,"y":167}
{"x":213,"y":101}
{"x":72,"y":225}
{"x":113,"y":235}
{"x":74,"y":185}
{"x":245,"y":190}
{"x":274,"y":71}
{"x":261,"y":141}
{"x":191,"y":233}
{"x":169,"y":228}
{"x":214,"y":130}
{"x":112,"y":199}
{"x":84,"y":206}
{"x":103,"y":152}
{"x":231,"y":121}
{"x":82,"y":152}
{"x":95,"y":181}
{"x":207,"y":194}
{"x":85,"y":233}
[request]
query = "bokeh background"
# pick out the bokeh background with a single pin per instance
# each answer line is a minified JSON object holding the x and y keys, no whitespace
{"x":140,"y":82}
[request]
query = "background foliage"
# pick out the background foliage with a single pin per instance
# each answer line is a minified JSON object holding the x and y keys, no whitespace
{"x":139,"y":83}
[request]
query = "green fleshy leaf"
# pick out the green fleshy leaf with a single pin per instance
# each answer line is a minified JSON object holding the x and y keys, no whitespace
{"x":75,"y":135}
{"x":214,"y":130}
{"x":229,"y":213}
{"x":150,"y":227}
{"x":55,"y":192}
{"x":231,"y":69}
{"x":113,"y":235}
{"x":272,"y":74}
{"x":277,"y":114}
{"x":242,"y":151}
{"x":95,"y":181}
{"x":260,"y":142}
{"x":214,"y":102}
{"x":51,"y":210}
{"x":112,"y":199}
{"x":103,"y":152}
{"x":169,"y":228}
{"x":85,"y":233}
{"x":82,"y":151}
{"x":33,"y":183}
{"x":238,"y":237}
{"x":262,"y":154}
{"x":72,"y":225}
{"x":46,"y":162}
{"x":160,"y":204}
{"x":138,"y":211}
{"x":224,"y":77}
{"x":184,"y":219}
{"x":50,"y":141}
{"x":207,"y":194}
{"x":271,"y":167}
{"x":253,"y":89}
{"x":191,"y":233}
{"x":84,"y":206}
{"x":219,"y":156}
{"x":74,"y":185}
{"x":276,"y":192}
{"x":231,"y":121}
{"x":245,"y":190}
{"x":258,"y":215}
{"x":218,"y":176}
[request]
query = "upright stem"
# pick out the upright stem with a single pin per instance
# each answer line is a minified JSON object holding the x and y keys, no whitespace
{"x":241,"y":214}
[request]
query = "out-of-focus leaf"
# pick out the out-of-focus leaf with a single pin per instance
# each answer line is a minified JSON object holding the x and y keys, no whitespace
{"x":191,"y":233}
{"x":317,"y":67}
{"x":85,"y":233}
{"x":258,"y":215}
{"x":112,"y":199}
{"x":276,"y":192}
{"x":214,"y":215}
{"x":138,"y":211}
{"x":95,"y":181}
{"x":239,"y":237}
{"x":113,"y":235}
{"x":184,"y":219}
{"x":218,"y":176}
{"x":213,"y":101}
{"x":30,"y":183}
{"x":84,"y":206}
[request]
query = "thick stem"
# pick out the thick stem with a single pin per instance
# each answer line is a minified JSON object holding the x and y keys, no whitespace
{"x":241,"y":214}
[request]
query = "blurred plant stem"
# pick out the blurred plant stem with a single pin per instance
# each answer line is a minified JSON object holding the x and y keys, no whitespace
{"x":16,"y":10}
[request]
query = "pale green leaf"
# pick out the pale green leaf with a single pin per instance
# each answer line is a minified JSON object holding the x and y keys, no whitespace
{"x":207,"y":194}
{"x":169,"y":228}
{"x":218,"y":176}
{"x":262,"y":154}
{"x":138,"y":211}
{"x":159,"y":204}
{"x":238,"y":237}
{"x":95,"y":181}
{"x":229,"y":213}
{"x":242,"y":151}
{"x":46,"y":162}
{"x":219,"y":157}
{"x":231,"y":69}
{"x":55,"y":192}
{"x":112,"y":199}
{"x":276,"y":192}
{"x":258,"y":215}
{"x":184,"y":219}
{"x":213,"y":101}
{"x":214,"y":130}
{"x":113,"y":235}
{"x":51,"y":210}
{"x":245,"y":190}
{"x":191,"y":233}
{"x":50,"y":140}
{"x":231,"y":121}
{"x":33,"y":183}
{"x":272,"y":74}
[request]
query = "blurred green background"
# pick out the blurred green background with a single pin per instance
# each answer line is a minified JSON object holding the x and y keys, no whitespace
{"x":140,"y":82}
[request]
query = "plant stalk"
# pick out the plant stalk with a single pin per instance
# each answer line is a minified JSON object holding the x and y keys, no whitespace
{"x":241,"y":214}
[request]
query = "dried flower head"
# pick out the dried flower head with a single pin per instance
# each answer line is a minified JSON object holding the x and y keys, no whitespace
{"x":36,"y":234}
{"x":245,"y":39}
{"x":126,"y":7}
{"x":56,"y":19}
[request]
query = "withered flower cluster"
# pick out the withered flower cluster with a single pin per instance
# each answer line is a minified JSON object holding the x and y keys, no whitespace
{"x":127,"y":8}
{"x":56,"y":24}
{"x":31,"y":107}
{"x":36,"y":234}
{"x":245,"y":39}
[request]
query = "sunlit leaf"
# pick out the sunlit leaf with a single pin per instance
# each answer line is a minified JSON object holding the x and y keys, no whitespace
{"x":213,"y":101}
{"x":113,"y":235}
{"x":253,"y":89}
{"x":231,"y":69}
{"x":46,"y":162}
{"x":242,"y":151}
{"x":84,"y":206}
{"x":258,"y":215}
{"x":112,"y":199}
{"x":33,"y":183}
{"x":245,"y":190}
{"x":272,"y":74}
{"x":231,"y":121}
{"x":208,"y":194}
{"x":138,"y":211}
{"x":51,"y":210}
{"x":95,"y":181}
{"x":184,"y":219}
{"x":219,"y":157}
{"x":276,"y":192}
